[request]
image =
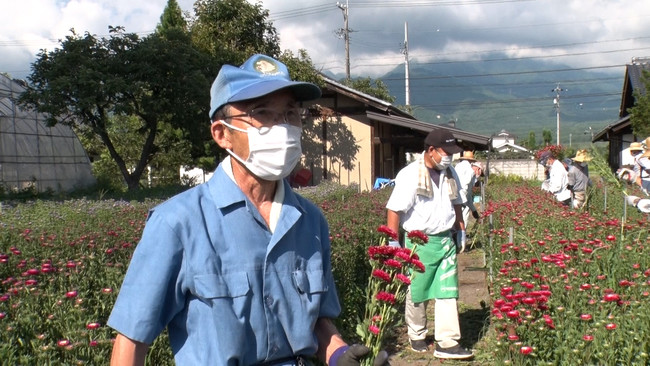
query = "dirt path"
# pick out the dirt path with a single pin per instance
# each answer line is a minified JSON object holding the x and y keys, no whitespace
{"x":473,"y":310}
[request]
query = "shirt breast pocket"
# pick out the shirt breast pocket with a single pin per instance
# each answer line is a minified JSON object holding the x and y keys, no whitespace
{"x":309,"y":282}
{"x":223,"y":290}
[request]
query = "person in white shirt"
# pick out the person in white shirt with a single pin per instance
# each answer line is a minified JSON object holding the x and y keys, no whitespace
{"x":558,"y":178}
{"x":468,"y":170}
{"x":426,"y":198}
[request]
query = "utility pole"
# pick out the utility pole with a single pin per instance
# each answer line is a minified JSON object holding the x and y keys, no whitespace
{"x":556,"y":101}
{"x":405,"y":50}
{"x":346,"y":37}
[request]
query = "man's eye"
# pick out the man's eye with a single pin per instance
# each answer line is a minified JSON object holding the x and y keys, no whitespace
{"x":262,"y":113}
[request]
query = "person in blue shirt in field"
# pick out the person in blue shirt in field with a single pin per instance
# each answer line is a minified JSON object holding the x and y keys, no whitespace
{"x":238,"y":269}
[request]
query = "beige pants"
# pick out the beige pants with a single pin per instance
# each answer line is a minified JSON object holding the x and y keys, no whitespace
{"x":579,"y":199}
{"x":447,"y":327}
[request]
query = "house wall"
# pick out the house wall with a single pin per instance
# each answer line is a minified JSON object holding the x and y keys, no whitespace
{"x":528,"y":169}
{"x":340,"y":147}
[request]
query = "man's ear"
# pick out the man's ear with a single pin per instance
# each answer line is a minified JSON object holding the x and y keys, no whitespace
{"x":219,"y":134}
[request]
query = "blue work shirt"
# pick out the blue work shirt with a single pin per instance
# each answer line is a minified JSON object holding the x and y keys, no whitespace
{"x":229,"y":291}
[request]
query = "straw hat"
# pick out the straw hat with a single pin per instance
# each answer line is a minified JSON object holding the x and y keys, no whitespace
{"x":636,"y":146}
{"x":581,"y":156}
{"x":468,"y":155}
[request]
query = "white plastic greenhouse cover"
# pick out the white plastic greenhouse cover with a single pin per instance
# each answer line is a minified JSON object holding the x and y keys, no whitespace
{"x":31,"y":153}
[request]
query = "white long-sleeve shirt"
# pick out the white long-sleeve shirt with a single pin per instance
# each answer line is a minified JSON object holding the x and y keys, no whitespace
{"x":557,"y":182}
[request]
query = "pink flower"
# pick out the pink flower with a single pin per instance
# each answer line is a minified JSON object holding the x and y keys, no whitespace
{"x":71,"y":294}
{"x":374,"y":329}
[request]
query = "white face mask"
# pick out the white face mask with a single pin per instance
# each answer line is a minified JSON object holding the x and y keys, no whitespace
{"x":273,"y":152}
{"x":445,"y":162}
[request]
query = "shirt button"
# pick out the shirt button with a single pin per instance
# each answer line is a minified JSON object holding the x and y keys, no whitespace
{"x":269,"y":300}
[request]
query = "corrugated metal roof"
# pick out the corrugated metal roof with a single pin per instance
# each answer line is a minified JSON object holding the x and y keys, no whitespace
{"x":482,"y":142}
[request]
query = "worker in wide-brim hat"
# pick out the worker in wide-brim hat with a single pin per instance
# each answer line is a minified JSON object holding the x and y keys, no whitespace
{"x":578,"y":177}
{"x":468,"y":155}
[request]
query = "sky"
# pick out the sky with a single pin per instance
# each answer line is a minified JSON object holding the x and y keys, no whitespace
{"x":593,"y":35}
{"x":596,"y":34}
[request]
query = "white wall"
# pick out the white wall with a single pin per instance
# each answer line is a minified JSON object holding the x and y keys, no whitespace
{"x":528,"y":169}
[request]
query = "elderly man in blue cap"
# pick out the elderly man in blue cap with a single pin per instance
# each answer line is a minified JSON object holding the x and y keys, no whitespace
{"x":238,"y":269}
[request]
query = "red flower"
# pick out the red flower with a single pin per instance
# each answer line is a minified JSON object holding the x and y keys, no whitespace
{"x":525,"y":350}
{"x":63,"y":343}
{"x":382,"y":275}
{"x":417,"y":264}
{"x":393,"y":263}
{"x":611,"y":297}
{"x":588,"y":337}
{"x":93,"y":325}
{"x":403,"y":278}
{"x":381,"y":252}
{"x":388,"y":231}
{"x":610,"y":326}
{"x":386,"y":297}
{"x":418,"y":237}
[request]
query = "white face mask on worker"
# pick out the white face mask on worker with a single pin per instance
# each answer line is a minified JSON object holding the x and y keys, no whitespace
{"x":273,"y":152}
{"x":445,"y":162}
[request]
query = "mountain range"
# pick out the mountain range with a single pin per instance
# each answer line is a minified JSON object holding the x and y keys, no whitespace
{"x":516,"y":95}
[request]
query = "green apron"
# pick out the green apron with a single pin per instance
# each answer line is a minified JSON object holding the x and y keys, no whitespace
{"x":440,"y":278}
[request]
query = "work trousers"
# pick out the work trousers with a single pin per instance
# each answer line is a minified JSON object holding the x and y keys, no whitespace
{"x":447,"y":327}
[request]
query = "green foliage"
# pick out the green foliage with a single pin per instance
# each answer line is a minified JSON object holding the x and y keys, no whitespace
{"x":531,"y":144}
{"x":232,"y":30}
{"x":159,"y":81}
{"x":301,"y":66}
{"x":375,"y":88}
{"x":547,"y":137}
{"x":560,"y":265}
{"x":171,"y":19}
{"x":640,"y":113}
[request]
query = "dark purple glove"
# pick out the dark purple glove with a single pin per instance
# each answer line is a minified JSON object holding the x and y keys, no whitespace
{"x":352,"y":355}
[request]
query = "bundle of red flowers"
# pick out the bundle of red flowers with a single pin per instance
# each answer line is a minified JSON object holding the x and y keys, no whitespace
{"x":392,"y":270}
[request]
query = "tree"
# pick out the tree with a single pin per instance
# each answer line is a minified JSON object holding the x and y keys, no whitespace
{"x":375,"y":88}
{"x":532,"y":142}
{"x":547,"y":137}
{"x":233,"y":30}
{"x":160,"y":81}
{"x":171,"y":19}
{"x":640,"y":113}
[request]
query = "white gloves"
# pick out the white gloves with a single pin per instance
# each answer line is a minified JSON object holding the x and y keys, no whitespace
{"x":642,"y":204}
{"x":626,"y":175}
{"x":461,"y":241}
{"x":394,"y":243}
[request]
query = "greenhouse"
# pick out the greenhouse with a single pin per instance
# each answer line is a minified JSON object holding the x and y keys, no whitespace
{"x":33,"y":155}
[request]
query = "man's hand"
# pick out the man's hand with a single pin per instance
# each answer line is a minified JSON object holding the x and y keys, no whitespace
{"x":353,"y":354}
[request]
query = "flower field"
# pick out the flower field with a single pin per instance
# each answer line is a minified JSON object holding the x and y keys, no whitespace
{"x":570,"y":287}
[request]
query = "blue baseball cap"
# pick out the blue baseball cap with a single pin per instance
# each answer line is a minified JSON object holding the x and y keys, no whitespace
{"x":258,"y":76}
